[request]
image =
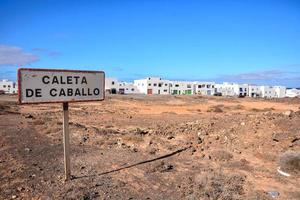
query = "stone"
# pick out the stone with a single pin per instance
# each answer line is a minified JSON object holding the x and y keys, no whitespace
{"x":287,"y":113}
{"x":29,"y":116}
{"x":27,"y":149}
{"x":273,"y":194}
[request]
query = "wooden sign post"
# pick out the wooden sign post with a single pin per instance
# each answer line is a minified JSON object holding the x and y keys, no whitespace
{"x":60,"y":86}
{"x":66,"y":141}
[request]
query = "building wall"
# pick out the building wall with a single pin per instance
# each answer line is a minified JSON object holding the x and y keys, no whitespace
{"x":280,"y":91}
{"x":9,"y":87}
{"x":111,"y":85}
{"x":232,"y":89}
{"x":128,"y":88}
{"x":225,"y":89}
{"x":254,"y":91}
{"x":181,"y":87}
{"x":267,"y":92}
{"x":204,"y":88}
{"x":141,"y":85}
{"x":241,"y":89}
{"x":153,"y":85}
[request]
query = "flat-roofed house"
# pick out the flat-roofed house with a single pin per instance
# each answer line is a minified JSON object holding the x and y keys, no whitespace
{"x":153,"y":85}
{"x":8,"y":87}
{"x":204,"y":88}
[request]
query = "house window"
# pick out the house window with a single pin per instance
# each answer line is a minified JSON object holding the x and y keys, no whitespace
{"x":132,"y":89}
{"x":199,"y":86}
{"x":159,"y":85}
{"x":176,"y":85}
{"x":155,"y":84}
{"x":189,"y":86}
{"x":212,"y":86}
{"x":165,"y":90}
{"x":4,"y":86}
{"x":166,"y":84}
{"x":149,"y":84}
{"x":112,"y":82}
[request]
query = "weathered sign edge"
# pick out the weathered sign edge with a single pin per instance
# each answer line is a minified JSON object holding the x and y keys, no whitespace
{"x":55,"y":70}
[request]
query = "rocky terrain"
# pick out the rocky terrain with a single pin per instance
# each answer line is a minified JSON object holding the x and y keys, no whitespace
{"x":153,"y":147}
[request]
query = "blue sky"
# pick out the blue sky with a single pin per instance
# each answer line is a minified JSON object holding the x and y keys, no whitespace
{"x":249,"y":41}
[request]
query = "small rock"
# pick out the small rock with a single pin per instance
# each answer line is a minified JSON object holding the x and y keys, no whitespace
{"x":243,"y":123}
{"x":273,"y":194}
{"x":85,"y":138}
{"x":27,"y":149}
{"x":287,"y":113}
{"x":32,"y":176}
{"x":29,"y":116}
{"x":20,"y":189}
{"x":200,"y":140}
{"x":135,"y":149}
{"x":170,"y":137}
{"x":141,"y":132}
{"x":14,"y":196}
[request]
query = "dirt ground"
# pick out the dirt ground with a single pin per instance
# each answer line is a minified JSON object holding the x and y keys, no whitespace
{"x":150,"y":147}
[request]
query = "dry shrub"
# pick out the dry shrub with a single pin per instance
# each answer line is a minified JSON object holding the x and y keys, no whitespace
{"x":220,"y":186}
{"x":216,"y":108}
{"x":290,"y":161}
{"x":221,"y":155}
{"x":238,"y":107}
{"x":132,"y":139}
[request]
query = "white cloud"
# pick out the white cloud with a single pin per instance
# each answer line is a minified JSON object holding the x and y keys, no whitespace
{"x":15,"y":56}
{"x":47,"y":52}
{"x":261,"y":75}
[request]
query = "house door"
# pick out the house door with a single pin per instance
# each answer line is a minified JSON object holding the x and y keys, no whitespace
{"x":149,"y":91}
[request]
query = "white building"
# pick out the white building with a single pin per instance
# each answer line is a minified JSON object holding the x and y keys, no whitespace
{"x":181,"y":87}
{"x":225,"y":89}
{"x":127,"y":88}
{"x":280,"y":91}
{"x":267,"y":91}
{"x":294,"y":92}
{"x":111,"y":85}
{"x":232,"y":89}
{"x":8,"y":87}
{"x":153,"y":85}
{"x":204,"y":88}
{"x":254,"y":91}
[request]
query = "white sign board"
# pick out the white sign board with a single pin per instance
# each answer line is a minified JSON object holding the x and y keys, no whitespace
{"x":53,"y":86}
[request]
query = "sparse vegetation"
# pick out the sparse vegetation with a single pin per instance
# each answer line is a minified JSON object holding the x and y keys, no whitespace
{"x":290,"y":161}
